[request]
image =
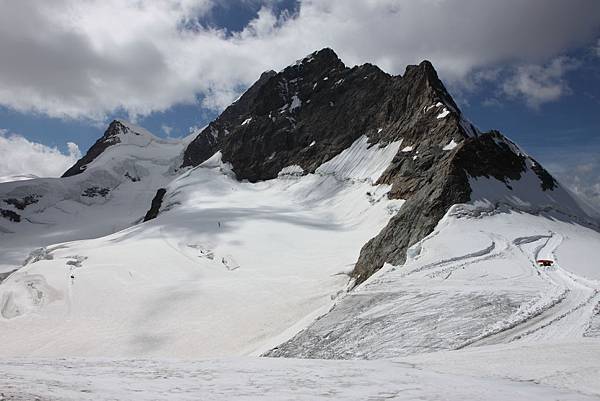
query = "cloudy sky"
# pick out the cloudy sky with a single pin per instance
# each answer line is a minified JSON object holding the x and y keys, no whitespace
{"x":530,"y":68}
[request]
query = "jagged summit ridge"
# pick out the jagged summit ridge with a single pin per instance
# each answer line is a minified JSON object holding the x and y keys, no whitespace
{"x":320,"y":100}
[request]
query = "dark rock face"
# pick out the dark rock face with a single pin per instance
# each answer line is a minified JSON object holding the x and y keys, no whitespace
{"x":22,"y":203}
{"x":95,"y":191}
{"x":431,"y":187}
{"x":10,"y":215}
{"x":110,"y":137}
{"x":316,"y":108}
{"x":548,"y":182}
{"x":320,"y":100}
{"x":156,"y":203}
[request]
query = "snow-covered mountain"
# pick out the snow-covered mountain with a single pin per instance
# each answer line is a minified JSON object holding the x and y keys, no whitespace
{"x":331,"y":212}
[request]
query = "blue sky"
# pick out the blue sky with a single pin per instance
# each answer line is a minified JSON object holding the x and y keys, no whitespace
{"x":529,"y":69}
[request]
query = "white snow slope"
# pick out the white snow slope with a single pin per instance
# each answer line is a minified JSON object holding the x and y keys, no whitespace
{"x":233,"y":269}
{"x":228,"y":268}
{"x":276,"y":380}
{"x":73,"y":208}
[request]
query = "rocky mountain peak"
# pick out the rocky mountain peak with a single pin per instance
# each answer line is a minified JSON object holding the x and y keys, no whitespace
{"x":324,"y":60}
{"x":113,"y":135}
{"x":425,"y":78}
{"x":313,"y":109}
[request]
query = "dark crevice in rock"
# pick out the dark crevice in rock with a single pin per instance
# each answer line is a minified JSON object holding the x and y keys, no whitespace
{"x":156,"y":203}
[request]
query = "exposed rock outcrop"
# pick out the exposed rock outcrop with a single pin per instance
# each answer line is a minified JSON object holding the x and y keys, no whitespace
{"x":156,"y":203}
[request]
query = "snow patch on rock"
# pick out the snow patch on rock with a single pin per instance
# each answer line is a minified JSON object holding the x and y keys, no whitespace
{"x":451,"y":145}
{"x":361,"y":161}
{"x":443,"y":114}
{"x":291,"y":171}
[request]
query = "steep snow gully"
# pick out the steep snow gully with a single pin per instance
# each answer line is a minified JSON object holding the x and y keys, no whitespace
{"x":158,"y":269}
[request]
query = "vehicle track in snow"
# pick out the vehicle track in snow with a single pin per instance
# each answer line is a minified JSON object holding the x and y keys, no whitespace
{"x":448,"y":264}
{"x":443,"y":267}
{"x":560,"y":317}
{"x":563,"y":312}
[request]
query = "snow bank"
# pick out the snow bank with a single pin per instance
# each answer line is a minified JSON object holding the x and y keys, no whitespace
{"x":361,"y":161}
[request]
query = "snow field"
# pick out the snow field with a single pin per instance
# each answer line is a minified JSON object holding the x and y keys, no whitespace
{"x":225,"y":269}
{"x":284,"y":379}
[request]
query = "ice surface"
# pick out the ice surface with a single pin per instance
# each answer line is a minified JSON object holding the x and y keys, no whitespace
{"x":114,"y":192}
{"x":284,"y":380}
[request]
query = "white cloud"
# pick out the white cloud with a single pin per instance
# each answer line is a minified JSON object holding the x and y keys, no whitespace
{"x":166,"y":129}
{"x":19,"y":156}
{"x":83,"y":59}
{"x":597,"y":48}
{"x":585,"y":184}
{"x":539,"y":84}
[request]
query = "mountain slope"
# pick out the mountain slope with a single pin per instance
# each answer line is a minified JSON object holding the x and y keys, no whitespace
{"x":316,"y":178}
{"x":474,"y":281}
{"x":234,"y":264}
{"x":112,"y":191}
{"x":312,"y":110}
